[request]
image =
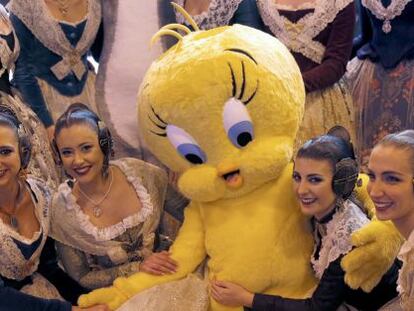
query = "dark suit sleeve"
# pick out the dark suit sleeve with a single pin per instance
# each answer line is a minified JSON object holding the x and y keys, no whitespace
{"x":328,"y":296}
{"x":13,"y":300}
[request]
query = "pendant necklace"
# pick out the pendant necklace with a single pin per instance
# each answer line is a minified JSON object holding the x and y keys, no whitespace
{"x":97,"y":210}
{"x":13,"y":221}
{"x":387,"y":14}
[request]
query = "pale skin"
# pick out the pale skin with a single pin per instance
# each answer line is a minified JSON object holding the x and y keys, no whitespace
{"x":312,"y":180}
{"x":5,"y":28}
{"x":83,"y":159}
{"x":294,"y":3}
{"x":76,"y":10}
{"x":15,"y":198}
{"x":196,"y":7}
{"x":391,"y":186}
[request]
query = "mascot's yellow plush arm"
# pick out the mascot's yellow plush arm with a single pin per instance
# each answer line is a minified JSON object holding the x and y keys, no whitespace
{"x":377,"y":245}
{"x":188,"y":250}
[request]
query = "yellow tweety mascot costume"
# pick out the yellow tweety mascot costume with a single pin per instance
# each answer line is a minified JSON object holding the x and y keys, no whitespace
{"x":223,"y":107}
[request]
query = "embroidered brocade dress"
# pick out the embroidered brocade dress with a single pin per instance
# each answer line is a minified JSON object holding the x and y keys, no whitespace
{"x":52,"y":71}
{"x":95,"y":257}
{"x":319,"y":35}
{"x":332,"y":236}
{"x":20,"y":256}
{"x":225,"y":12}
{"x":381,"y":77}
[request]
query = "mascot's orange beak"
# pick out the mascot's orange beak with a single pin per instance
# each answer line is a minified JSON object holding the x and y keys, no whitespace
{"x":230,"y":174}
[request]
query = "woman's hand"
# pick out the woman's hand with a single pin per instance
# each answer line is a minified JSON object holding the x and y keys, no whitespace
{"x":94,"y":308}
{"x":159,"y":264}
{"x":230,"y":294}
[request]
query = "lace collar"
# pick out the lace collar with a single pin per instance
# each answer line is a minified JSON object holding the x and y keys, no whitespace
{"x":111,"y":232}
{"x":336,"y":238}
{"x":387,"y":14}
{"x":405,"y":283}
{"x":13,"y":264}
{"x":299,"y":37}
{"x":36,"y":17}
{"x":219,"y":13}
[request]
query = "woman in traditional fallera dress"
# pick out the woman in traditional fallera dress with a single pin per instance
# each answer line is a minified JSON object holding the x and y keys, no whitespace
{"x":381,"y":77}
{"x":106,"y":215}
{"x":28,"y":262}
{"x":324,"y":177}
{"x":319,"y":34}
{"x":391,"y":187}
{"x":52,"y":70}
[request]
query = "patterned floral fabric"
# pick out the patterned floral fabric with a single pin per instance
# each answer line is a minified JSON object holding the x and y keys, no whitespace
{"x":384,"y":101}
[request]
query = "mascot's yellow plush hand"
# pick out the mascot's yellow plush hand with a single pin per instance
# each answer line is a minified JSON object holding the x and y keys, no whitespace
{"x":188,"y":251}
{"x":377,"y":246}
{"x":110,"y":296}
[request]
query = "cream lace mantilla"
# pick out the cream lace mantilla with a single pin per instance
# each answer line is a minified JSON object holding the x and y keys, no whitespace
{"x":36,"y":17}
{"x":7,"y":56}
{"x":337,"y":240}
{"x":13,"y":265}
{"x":387,"y":14}
{"x":406,"y":274}
{"x":71,"y":226}
{"x":299,"y":37}
{"x":219,"y":13}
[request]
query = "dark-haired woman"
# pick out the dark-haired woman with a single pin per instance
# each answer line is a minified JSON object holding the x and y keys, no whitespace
{"x":324,"y":177}
{"x":106,"y":214}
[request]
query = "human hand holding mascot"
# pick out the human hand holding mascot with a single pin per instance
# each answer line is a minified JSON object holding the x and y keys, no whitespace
{"x":222,"y":107}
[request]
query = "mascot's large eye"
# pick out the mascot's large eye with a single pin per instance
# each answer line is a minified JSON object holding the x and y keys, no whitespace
{"x":185,"y":145}
{"x":237,"y":122}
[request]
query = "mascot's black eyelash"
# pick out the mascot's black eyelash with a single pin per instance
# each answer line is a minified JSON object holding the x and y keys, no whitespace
{"x":161,"y":126}
{"x":243,"y":85}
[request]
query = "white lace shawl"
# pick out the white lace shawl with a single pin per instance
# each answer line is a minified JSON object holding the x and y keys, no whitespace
{"x":219,"y":13}
{"x":13,"y":265}
{"x":72,"y":227}
{"x":35,"y":15}
{"x":337,"y":240}
{"x":299,"y":37}
{"x":406,"y":274}
{"x":7,"y":56}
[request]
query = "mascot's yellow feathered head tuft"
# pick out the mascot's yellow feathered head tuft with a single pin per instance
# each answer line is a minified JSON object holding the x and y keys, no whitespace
{"x":222,"y":107}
